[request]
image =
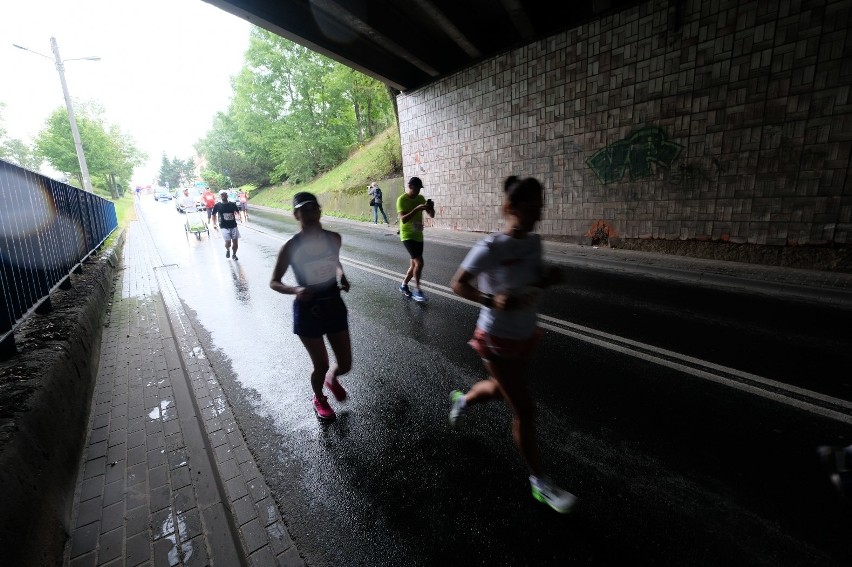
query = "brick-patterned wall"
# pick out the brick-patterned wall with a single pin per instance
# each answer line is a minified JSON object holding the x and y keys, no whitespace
{"x":734,"y":123}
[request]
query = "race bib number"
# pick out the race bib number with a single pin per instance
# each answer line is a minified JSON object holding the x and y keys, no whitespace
{"x":228,"y":216}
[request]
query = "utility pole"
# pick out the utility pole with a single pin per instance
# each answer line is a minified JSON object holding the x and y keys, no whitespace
{"x":78,"y":145}
{"x":75,"y":133}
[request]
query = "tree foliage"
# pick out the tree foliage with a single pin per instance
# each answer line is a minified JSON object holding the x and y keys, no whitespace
{"x":111,"y":155}
{"x":175,"y":172}
{"x":294,"y":114}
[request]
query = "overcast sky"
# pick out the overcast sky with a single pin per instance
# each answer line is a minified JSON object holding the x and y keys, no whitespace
{"x":165,"y":68}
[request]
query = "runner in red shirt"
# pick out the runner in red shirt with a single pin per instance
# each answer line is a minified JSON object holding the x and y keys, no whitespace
{"x":209,"y":202}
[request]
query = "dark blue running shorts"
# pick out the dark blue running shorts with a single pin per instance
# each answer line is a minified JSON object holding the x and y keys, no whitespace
{"x":319,"y":316}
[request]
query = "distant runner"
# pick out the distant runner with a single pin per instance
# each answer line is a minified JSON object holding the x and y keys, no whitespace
{"x":225,"y":215}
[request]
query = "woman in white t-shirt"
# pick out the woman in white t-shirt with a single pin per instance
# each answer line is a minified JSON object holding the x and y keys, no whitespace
{"x":509,"y":274}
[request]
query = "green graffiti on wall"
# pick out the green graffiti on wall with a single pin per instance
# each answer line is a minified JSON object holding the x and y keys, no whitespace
{"x":637,"y":154}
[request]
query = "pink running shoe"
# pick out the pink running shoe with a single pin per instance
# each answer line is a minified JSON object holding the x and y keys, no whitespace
{"x":335,"y":386}
{"x":322,"y":408}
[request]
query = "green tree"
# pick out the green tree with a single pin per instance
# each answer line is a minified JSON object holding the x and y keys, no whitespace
{"x":174,"y":172}
{"x":294,"y":114}
{"x":110,"y":154}
{"x":229,"y":152}
{"x":15,"y":151}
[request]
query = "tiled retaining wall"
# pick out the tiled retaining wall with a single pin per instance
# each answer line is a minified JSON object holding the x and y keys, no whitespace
{"x":728,"y":121}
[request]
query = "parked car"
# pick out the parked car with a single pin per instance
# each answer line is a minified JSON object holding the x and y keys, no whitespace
{"x":195,"y":193}
{"x":162,"y":193}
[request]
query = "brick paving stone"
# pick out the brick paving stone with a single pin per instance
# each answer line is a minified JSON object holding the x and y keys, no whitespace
{"x":158,"y":476}
{"x":111,"y":545}
{"x":180,"y":477}
{"x":162,"y":523}
{"x":91,"y":488}
{"x":85,"y":539}
{"x":165,"y":553}
{"x":263,"y":557}
{"x":184,"y":499}
{"x":279,"y":539}
{"x":255,"y":535}
{"x":245,"y":510}
{"x":114,"y":492}
{"x":90,"y":511}
{"x":191,"y":525}
{"x":229,"y":469}
{"x":87,"y":560}
{"x":112,"y":517}
{"x":194,"y":553}
{"x":160,"y":497}
{"x":138,"y":549}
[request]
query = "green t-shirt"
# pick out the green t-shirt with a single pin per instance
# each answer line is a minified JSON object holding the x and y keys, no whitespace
{"x":413,"y":229}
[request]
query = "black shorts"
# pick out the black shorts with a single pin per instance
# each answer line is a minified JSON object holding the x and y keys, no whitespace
{"x":320,"y":316}
{"x":414,"y":247}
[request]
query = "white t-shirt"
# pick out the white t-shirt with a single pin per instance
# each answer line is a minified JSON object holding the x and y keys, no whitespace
{"x":505,"y":264}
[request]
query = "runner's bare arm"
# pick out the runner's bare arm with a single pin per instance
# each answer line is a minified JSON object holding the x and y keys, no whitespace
{"x":344,"y":281}
{"x":282,"y":264}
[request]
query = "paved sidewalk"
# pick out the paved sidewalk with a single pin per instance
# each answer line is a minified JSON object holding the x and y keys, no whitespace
{"x":166,"y":478}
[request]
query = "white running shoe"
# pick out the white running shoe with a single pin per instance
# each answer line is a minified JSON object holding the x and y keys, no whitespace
{"x":545,"y":491}
{"x":457,"y":407}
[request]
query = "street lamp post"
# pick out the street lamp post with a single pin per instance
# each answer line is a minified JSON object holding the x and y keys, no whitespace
{"x":78,"y":145}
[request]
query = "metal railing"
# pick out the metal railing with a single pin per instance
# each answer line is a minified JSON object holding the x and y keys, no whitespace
{"x":47,"y":229}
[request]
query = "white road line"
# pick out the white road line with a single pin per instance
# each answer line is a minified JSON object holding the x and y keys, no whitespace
{"x":807,"y":400}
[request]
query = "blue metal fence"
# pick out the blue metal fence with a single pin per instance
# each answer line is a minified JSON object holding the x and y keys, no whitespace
{"x":47,"y":229}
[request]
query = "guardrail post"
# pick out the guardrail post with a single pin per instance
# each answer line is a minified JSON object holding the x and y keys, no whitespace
{"x":45,"y":306}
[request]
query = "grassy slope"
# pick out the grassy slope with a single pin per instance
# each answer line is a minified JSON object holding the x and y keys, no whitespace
{"x":368,"y":163}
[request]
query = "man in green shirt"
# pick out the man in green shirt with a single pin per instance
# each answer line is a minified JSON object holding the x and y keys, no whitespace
{"x":410,"y":206}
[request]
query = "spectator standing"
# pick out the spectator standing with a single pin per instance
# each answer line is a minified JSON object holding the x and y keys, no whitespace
{"x":225,"y":215}
{"x":376,"y":202}
{"x":509,"y":274}
{"x":318,"y":309}
{"x":410,"y":206}
{"x":209,"y":200}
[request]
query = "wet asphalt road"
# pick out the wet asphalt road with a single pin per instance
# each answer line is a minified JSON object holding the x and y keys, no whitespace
{"x":670,"y":469}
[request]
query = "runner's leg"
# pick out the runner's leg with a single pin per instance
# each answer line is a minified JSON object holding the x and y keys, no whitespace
{"x":319,"y":358}
{"x":341,"y":345}
{"x":418,"y":269}
{"x":509,"y":375}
